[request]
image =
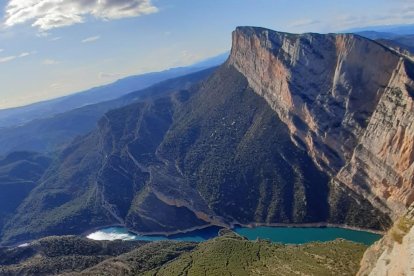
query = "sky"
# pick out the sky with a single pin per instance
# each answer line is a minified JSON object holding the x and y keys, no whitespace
{"x":51,"y":48}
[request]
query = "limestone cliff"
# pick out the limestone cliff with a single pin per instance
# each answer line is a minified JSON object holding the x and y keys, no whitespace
{"x":346,"y":99}
{"x":292,"y":129}
{"x":394,"y":253}
{"x":382,"y":164}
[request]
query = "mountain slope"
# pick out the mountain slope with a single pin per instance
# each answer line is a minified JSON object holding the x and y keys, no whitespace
{"x":49,"y":134}
{"x":233,"y":255}
{"x":291,"y":129}
{"x":56,"y":255}
{"x":393,"y":254}
{"x":405,"y":29}
{"x":19,"y":173}
{"x":214,"y":154}
{"x":346,"y":99}
{"x":227,"y":254}
{"x":401,"y":43}
{"x":21,"y":115}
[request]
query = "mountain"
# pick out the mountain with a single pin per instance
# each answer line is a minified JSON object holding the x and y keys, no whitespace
{"x":213,"y":61}
{"x":405,"y":29}
{"x":49,"y":134}
{"x":369,"y":109}
{"x":55,"y":255}
{"x":21,"y":115}
{"x":231,"y":254}
{"x":291,"y":129}
{"x":271,"y":137}
{"x":354,"y":115}
{"x":374,"y":35}
{"x":19,"y":174}
{"x":401,"y":43}
{"x":227,"y":254}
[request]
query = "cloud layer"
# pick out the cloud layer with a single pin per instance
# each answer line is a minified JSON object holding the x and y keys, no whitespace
{"x":49,"y":14}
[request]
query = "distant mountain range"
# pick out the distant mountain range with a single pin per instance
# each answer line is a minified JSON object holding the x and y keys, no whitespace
{"x":399,"y":37}
{"x":51,"y":133}
{"x":21,"y":115}
{"x":385,"y":29}
{"x":401,"y":43}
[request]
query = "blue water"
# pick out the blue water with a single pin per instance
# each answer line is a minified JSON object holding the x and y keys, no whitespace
{"x":275,"y":234}
{"x":304,"y":235}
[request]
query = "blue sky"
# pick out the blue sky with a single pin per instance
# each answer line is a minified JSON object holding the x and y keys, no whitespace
{"x":49,"y":48}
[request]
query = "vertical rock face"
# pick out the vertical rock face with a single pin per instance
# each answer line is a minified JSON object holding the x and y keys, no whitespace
{"x":346,"y":99}
{"x":349,"y":102}
{"x":394,"y":253}
{"x":382,"y":164}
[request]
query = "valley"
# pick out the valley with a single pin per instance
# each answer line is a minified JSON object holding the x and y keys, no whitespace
{"x":287,"y":235}
{"x":95,"y":181}
{"x":292,"y":129}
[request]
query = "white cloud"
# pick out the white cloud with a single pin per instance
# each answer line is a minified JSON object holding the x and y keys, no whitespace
{"x":402,"y":13}
{"x":50,"y":62}
{"x":25,"y":54}
{"x":7,"y":59}
{"x":56,"y":38}
{"x":49,"y":14}
{"x":42,"y":34}
{"x":91,"y":39}
{"x":10,"y":58}
{"x":303,"y":23}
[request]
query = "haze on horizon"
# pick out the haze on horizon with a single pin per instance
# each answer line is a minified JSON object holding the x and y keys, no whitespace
{"x":47,"y":51}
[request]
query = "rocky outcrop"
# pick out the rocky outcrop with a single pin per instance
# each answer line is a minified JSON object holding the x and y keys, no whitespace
{"x":394,"y":253}
{"x":382,"y":164}
{"x":346,"y":99}
{"x":349,"y":102}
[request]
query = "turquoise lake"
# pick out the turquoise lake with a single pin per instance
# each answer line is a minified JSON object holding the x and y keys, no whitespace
{"x":275,"y":234}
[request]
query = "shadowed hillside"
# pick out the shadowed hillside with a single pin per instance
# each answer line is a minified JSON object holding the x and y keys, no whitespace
{"x":214,"y":154}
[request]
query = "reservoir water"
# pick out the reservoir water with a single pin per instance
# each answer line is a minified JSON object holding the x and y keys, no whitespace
{"x":275,"y":234}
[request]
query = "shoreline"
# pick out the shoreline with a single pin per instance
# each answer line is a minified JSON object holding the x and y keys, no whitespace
{"x":173,"y":233}
{"x":307,"y":225}
{"x":230,"y":226}
{"x":234,"y":225}
{"x":149,"y":234}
